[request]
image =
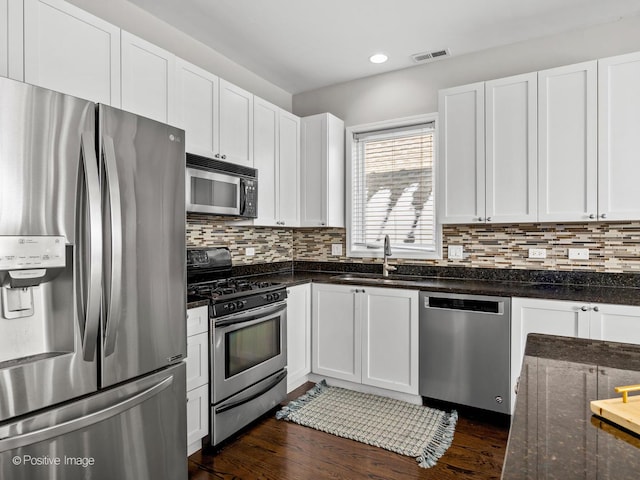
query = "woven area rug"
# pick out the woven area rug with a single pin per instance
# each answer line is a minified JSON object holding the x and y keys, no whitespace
{"x":413,"y":430}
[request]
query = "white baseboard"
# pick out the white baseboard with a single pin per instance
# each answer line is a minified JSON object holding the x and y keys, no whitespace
{"x":358,"y":387}
{"x":293,"y":383}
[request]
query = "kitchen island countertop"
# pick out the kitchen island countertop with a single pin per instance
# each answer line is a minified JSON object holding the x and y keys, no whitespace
{"x":553,"y":433}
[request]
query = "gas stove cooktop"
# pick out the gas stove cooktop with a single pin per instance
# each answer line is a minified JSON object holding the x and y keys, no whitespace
{"x":231,"y":288}
{"x":209,"y":273}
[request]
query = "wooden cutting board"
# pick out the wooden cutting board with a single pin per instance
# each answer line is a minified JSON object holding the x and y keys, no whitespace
{"x":627,"y":415}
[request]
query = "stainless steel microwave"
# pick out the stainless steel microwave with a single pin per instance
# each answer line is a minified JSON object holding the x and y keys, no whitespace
{"x":221,"y":188}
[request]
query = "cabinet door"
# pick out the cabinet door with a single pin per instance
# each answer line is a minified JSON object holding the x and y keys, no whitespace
{"x":313,"y":173}
{"x":298,"y":335}
{"x":197,"y":360}
{"x":511,"y":149}
{"x":567,"y":143}
{"x":619,"y":142}
{"x":71,"y":51}
{"x":265,"y":159}
{"x":553,"y":317}
{"x":336,"y":332}
{"x":334,"y":183}
{"x":148,"y":74}
{"x":197,"y":320}
{"x":12,"y":41}
{"x":197,"y":417}
{"x":236,"y":124}
{"x":196,"y":109}
{"x":288,"y":168}
{"x":615,"y":323}
{"x":461,"y":155}
{"x":390,"y":339}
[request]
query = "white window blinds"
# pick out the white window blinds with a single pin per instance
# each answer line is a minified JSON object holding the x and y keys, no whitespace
{"x":393,"y":192}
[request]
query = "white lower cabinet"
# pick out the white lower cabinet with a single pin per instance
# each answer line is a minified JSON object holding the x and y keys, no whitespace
{"x":366,"y":335}
{"x":618,"y":323}
{"x":197,"y":417}
{"x":197,"y":377}
{"x":298,"y":335}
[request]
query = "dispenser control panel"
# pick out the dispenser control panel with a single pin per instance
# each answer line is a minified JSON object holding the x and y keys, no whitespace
{"x":29,"y":252}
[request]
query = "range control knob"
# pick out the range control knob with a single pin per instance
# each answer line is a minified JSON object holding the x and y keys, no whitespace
{"x":239,"y":304}
{"x":276,"y":296}
{"x":268,"y":297}
{"x":231,"y":306}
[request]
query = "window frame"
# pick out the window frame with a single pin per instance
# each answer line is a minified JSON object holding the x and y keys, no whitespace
{"x":349,"y":144}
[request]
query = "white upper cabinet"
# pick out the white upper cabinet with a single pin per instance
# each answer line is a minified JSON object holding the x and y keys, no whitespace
{"x":196,"y":108}
{"x":71,"y":51}
{"x":567,"y":143}
{"x":461,"y":167}
{"x":511,"y":149}
{"x":488,"y":154}
{"x":265,"y":159}
{"x":619,"y":137}
{"x":276,"y":154}
{"x":12,"y":40}
{"x":322,"y":171}
{"x":148,"y":74}
{"x":289,"y":168}
{"x":236,"y":124}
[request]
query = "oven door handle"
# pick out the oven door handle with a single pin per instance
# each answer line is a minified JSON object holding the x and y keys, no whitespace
{"x":251,"y":315}
{"x":241,"y":401}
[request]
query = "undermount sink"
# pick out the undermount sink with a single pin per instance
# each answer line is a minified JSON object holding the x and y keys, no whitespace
{"x":375,"y":278}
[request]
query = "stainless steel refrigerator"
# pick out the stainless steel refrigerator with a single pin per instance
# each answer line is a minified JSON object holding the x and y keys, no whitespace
{"x":92,"y":291}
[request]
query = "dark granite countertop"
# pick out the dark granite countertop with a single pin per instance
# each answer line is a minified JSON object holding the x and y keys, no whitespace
{"x":553,"y":433}
{"x":589,"y":287}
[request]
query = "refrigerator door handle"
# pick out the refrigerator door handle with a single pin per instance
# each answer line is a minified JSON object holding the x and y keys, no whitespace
{"x":89,"y":266}
{"x":82,"y":420}
{"x":114,"y":307}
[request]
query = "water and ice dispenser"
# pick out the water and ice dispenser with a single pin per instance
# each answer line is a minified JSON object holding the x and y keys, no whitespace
{"x":29,"y":267}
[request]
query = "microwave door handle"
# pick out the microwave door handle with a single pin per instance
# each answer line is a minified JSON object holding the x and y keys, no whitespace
{"x":114,"y":305}
{"x":243,"y":197}
{"x":88,"y":250}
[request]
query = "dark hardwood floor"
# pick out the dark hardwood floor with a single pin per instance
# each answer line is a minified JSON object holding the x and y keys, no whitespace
{"x":278,"y":450}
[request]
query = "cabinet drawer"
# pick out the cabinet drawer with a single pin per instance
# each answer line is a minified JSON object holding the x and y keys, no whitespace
{"x":197,"y":360}
{"x":197,"y":320}
{"x":197,"y":414}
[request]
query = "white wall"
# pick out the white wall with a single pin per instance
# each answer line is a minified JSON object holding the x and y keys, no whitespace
{"x":133,"y":19}
{"x":414,"y":90}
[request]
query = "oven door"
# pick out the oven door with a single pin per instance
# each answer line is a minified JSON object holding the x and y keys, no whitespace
{"x":247,"y":348}
{"x":212,"y":192}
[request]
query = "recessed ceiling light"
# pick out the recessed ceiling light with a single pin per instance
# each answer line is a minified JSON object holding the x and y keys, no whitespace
{"x":378,"y":58}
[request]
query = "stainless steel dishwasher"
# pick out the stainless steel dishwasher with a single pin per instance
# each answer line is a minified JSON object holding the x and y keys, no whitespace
{"x":465,"y":349}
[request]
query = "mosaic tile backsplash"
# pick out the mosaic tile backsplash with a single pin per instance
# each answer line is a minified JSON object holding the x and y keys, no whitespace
{"x":613,"y":247}
{"x":270,"y":244}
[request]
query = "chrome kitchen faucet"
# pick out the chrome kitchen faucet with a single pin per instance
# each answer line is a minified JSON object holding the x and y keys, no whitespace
{"x":386,"y":268}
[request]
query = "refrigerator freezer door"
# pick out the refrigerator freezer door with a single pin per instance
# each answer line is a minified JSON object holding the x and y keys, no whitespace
{"x":49,"y":188}
{"x":136,"y":430}
{"x":144,"y":312}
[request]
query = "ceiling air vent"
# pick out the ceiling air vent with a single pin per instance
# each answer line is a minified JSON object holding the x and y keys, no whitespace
{"x":430,"y":56}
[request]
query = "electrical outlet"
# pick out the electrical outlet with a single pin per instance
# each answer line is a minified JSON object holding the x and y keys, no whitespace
{"x":250,"y":251}
{"x":578,"y":254}
{"x":336,"y":249}
{"x":455,"y":252}
{"x":537,"y":253}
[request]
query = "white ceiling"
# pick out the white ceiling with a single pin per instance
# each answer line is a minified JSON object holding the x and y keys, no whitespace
{"x":302,"y":45}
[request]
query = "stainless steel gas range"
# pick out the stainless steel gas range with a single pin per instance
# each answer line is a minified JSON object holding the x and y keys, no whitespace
{"x":248,"y":351}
